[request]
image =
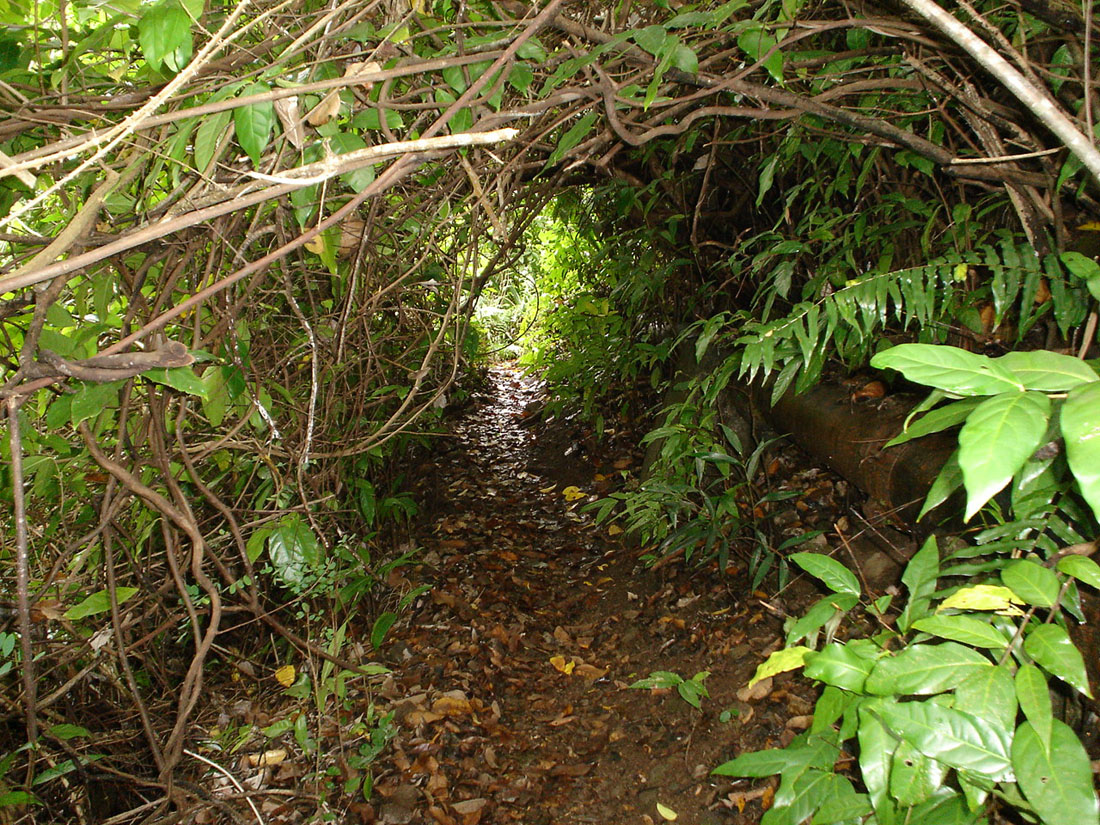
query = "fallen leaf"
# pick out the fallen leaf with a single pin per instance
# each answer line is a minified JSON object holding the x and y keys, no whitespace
{"x":614,"y":530}
{"x":287,"y":110}
{"x":271,"y":757}
{"x":589,"y":671}
{"x":758,"y":691}
{"x":562,"y":665}
{"x":453,"y":703}
{"x":572,"y":493}
{"x":666,"y":812}
{"x":285,"y":675}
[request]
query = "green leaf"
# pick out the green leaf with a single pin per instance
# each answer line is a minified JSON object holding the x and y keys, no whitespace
{"x":950,"y":369}
{"x":1033,"y":694}
{"x":254,"y":123}
{"x":207,"y":137}
{"x":756,"y":42}
{"x":832,"y":573}
{"x":983,"y":597}
{"x":841,"y":803}
{"x":1048,"y":371}
{"x":760,"y":763}
{"x":1051,"y":648}
{"x":66,"y":731}
{"x":381,"y":627}
{"x":817,"y":616}
{"x":9,"y":798}
{"x":964,"y":629}
{"x":658,"y":679}
{"x":693,"y":690}
{"x":913,"y":776}
{"x":651,"y":38}
{"x":294,"y":552}
{"x":1056,"y":781}
{"x":164,"y":34}
{"x":937,"y":420}
{"x":922,"y":669}
{"x":1084,"y":268}
{"x":945,"y":484}
{"x":989,"y":694}
{"x":996,"y":440}
{"x":91,"y":399}
{"x":574,"y":136}
{"x":876,"y":750}
{"x":780,"y":661}
{"x":1032,"y":582}
{"x":1081,"y":431}
{"x":99,"y":602}
{"x":840,"y":665}
{"x":920,"y":578}
{"x":1081,"y":568}
{"x":960,"y":740}
{"x":178,"y":378}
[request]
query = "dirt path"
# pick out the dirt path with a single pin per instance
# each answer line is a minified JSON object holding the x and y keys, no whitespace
{"x":512,"y":678}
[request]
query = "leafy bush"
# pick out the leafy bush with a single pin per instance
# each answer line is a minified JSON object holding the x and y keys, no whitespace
{"x":952,"y":708}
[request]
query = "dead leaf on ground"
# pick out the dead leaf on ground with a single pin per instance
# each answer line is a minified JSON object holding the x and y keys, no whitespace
{"x":757,"y":691}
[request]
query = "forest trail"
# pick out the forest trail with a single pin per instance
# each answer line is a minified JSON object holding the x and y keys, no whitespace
{"x":511,"y":677}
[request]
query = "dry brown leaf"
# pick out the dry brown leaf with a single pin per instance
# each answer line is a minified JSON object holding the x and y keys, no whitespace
{"x":452,"y":703}
{"x":364,"y":67}
{"x":757,"y":691}
{"x":271,"y":757}
{"x":287,"y":110}
{"x":590,"y":672}
{"x":324,"y":111}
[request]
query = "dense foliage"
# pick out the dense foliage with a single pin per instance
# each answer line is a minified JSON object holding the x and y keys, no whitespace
{"x":241,"y":248}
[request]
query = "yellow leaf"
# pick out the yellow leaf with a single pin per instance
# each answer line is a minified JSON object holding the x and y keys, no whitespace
{"x":599,"y":477}
{"x":614,"y":530}
{"x":316,"y":245}
{"x":572,"y":493}
{"x":549,"y":489}
{"x":666,"y":812}
{"x":959,"y":273}
{"x":983,"y":597}
{"x":1089,"y":226}
{"x":560,"y":664}
{"x":285,"y":675}
{"x":789,"y":658}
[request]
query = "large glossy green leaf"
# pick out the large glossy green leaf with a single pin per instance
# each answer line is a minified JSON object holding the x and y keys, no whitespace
{"x":207,"y":137}
{"x":1033,"y":694}
{"x":841,"y":665}
{"x":841,"y":803}
{"x":962,"y":629}
{"x":950,"y":369}
{"x":946,"y":807}
{"x":1081,"y":568}
{"x":1051,"y":648}
{"x":1056,"y":781}
{"x":1048,"y":371}
{"x":958,"y":739}
{"x":998,"y":437}
{"x":1081,"y":431}
{"x":91,"y":399}
{"x":1032,"y":582}
{"x":254,"y":123}
{"x":937,"y":420}
{"x":920,"y":577}
{"x":989,"y":694}
{"x":178,"y":378}
{"x":164,"y":34}
{"x":923,"y":669}
{"x":876,"y":750}
{"x":832,"y":573}
{"x":798,"y":797}
{"x":913,"y":776}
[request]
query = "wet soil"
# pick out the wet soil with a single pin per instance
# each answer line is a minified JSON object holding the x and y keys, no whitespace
{"x":512,"y":677}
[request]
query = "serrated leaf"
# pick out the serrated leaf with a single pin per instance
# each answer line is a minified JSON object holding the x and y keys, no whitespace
{"x":780,"y":661}
{"x":962,"y":629}
{"x":1032,"y":582}
{"x":951,"y":369}
{"x":1033,"y":694}
{"x":254,"y":123}
{"x":1080,"y":423}
{"x":1057,"y":781}
{"x":99,"y":602}
{"x":178,"y":378}
{"x":1048,"y":371}
{"x":922,"y":669}
{"x":955,"y":738}
{"x":1052,"y":649}
{"x":832,"y":573}
{"x":1081,"y":568}
{"x":997,"y":439}
{"x":983,"y":597}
